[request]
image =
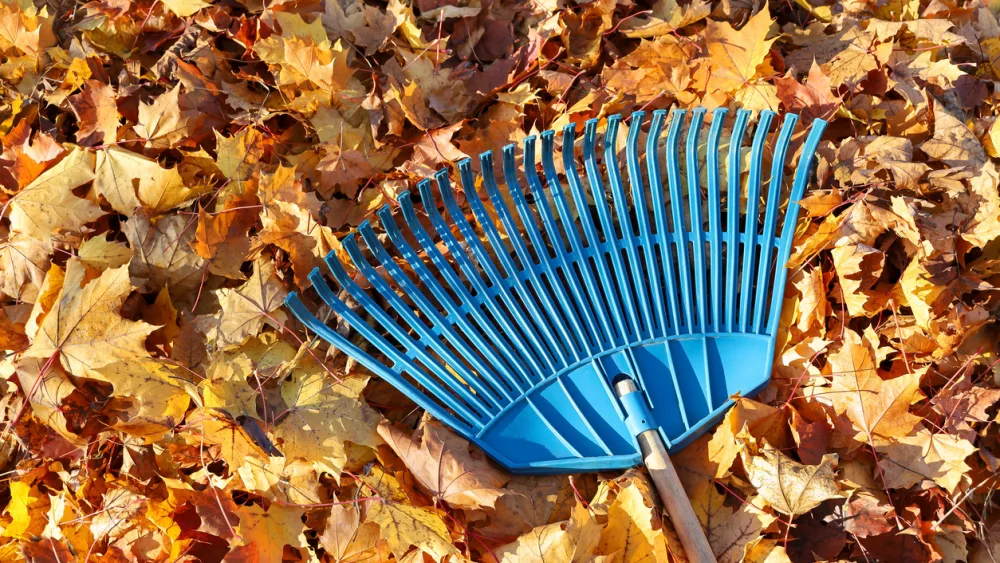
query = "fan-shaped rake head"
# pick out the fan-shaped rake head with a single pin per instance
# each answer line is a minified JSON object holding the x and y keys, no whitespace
{"x":512,"y":326}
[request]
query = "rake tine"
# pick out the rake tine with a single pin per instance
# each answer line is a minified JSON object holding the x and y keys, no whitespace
{"x":753,"y":204}
{"x":802,"y":174}
{"x":637,"y":284}
{"x":618,"y":273}
{"x":575,"y":339}
{"x":514,"y":236}
{"x":677,"y":205}
{"x":734,"y":193}
{"x":454,"y":316}
{"x":484,"y":298}
{"x":593,"y":248}
{"x":468,"y":425}
{"x":569,"y":226}
{"x":715,"y":215}
{"x":428,"y":334}
{"x":590,"y":336}
{"x":502,"y":286}
{"x":464,"y":406}
{"x":514,"y":276}
{"x":771,"y":220}
{"x":662,"y":229}
{"x":642,"y":212}
{"x":697,"y":226}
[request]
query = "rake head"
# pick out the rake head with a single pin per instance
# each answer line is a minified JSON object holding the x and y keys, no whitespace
{"x":511,"y":328}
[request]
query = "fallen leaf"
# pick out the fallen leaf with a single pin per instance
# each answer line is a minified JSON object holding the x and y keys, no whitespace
{"x":789,"y":486}
{"x":272,"y":529}
{"x":85,"y":328}
{"x":927,"y":455}
{"x":47,"y":205}
{"x":878,"y":409}
{"x":442,"y":462}
{"x":404,"y":525}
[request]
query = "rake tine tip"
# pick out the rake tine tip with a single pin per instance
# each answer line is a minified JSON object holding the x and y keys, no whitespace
{"x":385,"y":212}
{"x":316,"y":276}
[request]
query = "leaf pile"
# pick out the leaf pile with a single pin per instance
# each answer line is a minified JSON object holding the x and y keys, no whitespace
{"x":171,"y":169}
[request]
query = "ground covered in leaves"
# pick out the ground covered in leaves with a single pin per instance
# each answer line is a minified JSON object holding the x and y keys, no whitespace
{"x":170,"y":169}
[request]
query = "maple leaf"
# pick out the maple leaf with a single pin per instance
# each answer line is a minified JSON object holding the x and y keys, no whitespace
{"x":129,"y":180}
{"x":441,"y":461}
{"x":404,"y":525}
{"x":100,"y":253}
{"x":813,"y":98}
{"x":271,"y":530}
{"x":217,"y":513}
{"x":161,"y":401}
{"x":239,"y":155}
{"x":340,"y":529}
{"x":573,"y":541}
{"x":734,"y":54}
{"x":162,"y":255}
{"x":938,"y":457}
{"x":25,"y":28}
{"x":221,"y":237}
{"x":877,"y":408}
{"x":858,"y":270}
{"x":281,"y":479}
{"x":634,"y":527}
{"x":225,"y":387}
{"x":97,"y":112}
{"x":23,"y":262}
{"x":324,"y":414}
{"x":244,"y":310}
{"x":85,"y":328}
{"x":289,"y":221}
{"x":47,"y":205}
{"x":791,"y":487}
{"x":953,"y":143}
{"x":729,"y":531}
{"x":865,"y":515}
{"x":234,"y":444}
{"x":162,"y":123}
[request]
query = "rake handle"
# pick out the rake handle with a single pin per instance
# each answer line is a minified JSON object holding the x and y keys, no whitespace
{"x":668,"y":485}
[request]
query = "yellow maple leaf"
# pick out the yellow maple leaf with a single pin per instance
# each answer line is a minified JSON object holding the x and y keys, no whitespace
{"x":935,"y":456}
{"x":877,"y":408}
{"x":129,"y":180}
{"x":271,"y":530}
{"x":85,"y":328}
{"x":48,"y":205}
{"x":736,"y":54}
{"x":154,"y":387}
{"x":225,"y":387}
{"x":441,"y":461}
{"x":244,"y":310}
{"x":323,"y":415}
{"x":572,"y":541}
{"x":788,"y":486}
{"x":403,"y":524}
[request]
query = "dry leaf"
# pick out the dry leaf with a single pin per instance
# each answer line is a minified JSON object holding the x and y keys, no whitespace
{"x":791,"y":487}
{"x":442,"y":462}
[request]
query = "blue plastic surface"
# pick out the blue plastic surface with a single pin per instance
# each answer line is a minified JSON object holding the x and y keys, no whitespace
{"x":512,"y":326}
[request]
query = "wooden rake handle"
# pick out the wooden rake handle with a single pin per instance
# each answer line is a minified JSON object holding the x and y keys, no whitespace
{"x":668,"y":485}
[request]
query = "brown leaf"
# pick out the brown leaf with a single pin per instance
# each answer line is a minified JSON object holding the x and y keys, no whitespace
{"x":878,"y":409}
{"x":97,"y":112}
{"x":788,"y":486}
{"x":442,"y":463}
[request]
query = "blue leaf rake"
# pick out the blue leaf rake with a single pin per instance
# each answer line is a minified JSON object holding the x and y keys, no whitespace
{"x":513,"y":330}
